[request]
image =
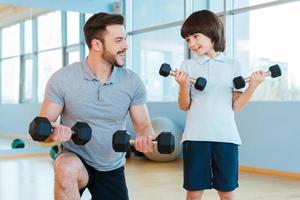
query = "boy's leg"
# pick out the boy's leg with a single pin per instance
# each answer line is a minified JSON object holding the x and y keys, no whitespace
{"x":196,"y":168}
{"x":70,"y":176}
{"x":194,"y":195}
{"x":226,"y":195}
{"x":225,"y":169}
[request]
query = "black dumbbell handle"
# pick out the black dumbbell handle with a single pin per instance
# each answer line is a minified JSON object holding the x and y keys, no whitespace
{"x":192,"y":80}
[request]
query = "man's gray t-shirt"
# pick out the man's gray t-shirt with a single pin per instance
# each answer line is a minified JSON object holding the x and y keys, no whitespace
{"x":103,"y":106}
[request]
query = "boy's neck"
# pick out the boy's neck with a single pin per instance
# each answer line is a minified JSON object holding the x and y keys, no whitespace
{"x":212,"y":54}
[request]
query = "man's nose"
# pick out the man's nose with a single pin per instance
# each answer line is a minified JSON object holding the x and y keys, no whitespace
{"x":125,"y":45}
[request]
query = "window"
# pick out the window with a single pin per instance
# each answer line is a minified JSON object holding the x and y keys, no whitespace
{"x":49,"y":30}
{"x":28,"y":72}
{"x":28,"y":36}
{"x":213,"y":5}
{"x":11,"y":41}
{"x":147,"y":13}
{"x":10,"y":80}
{"x":72,"y":27}
{"x":240,"y":4}
{"x":86,"y":50}
{"x":19,"y":72}
{"x":87,"y":16}
{"x":49,"y":62}
{"x":150,"y":51}
{"x":73,"y":56}
{"x":261,"y":39}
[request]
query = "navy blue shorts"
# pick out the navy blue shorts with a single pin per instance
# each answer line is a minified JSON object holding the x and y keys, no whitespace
{"x":208,"y":165}
{"x":108,"y":185}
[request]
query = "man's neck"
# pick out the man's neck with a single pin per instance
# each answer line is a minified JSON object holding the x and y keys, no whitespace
{"x":99,"y":67}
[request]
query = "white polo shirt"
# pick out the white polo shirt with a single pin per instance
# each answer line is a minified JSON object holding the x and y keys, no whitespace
{"x":210,"y":117}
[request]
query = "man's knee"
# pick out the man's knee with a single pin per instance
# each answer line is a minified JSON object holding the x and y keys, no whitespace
{"x":67,"y":168}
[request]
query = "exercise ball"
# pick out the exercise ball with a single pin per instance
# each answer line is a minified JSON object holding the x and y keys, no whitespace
{"x":17,"y":144}
{"x":164,"y":124}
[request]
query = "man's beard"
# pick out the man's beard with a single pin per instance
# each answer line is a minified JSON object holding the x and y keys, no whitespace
{"x":110,"y":58}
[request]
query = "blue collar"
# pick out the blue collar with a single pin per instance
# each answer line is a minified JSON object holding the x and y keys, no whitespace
{"x":202,"y":59}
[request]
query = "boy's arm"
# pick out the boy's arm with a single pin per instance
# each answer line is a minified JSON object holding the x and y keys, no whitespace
{"x":183,"y":80}
{"x":184,"y":100}
{"x":240,"y":99}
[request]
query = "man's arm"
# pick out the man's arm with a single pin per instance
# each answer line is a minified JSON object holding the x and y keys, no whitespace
{"x":141,"y":122}
{"x":52,"y":111}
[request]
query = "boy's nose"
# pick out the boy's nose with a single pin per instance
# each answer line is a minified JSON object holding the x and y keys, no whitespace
{"x":192,"y":45}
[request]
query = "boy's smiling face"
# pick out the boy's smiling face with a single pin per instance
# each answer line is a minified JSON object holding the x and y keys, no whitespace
{"x":200,"y":44}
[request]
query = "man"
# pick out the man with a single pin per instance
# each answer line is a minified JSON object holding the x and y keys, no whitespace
{"x":100,"y":92}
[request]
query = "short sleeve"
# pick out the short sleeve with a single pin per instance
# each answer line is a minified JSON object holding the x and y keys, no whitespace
{"x":53,"y":91}
{"x":139,"y":96}
{"x":238,"y":71}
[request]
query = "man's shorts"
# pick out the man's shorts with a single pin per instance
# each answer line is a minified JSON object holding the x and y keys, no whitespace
{"x":105,"y":185}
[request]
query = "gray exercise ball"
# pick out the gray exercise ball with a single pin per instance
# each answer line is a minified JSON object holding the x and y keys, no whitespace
{"x":163,"y":124}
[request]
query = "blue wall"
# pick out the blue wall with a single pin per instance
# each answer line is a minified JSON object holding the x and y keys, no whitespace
{"x":15,"y":118}
{"x":270,"y":134}
{"x":269,"y":130}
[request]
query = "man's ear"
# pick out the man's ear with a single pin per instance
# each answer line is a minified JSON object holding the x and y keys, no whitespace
{"x":97,"y":45}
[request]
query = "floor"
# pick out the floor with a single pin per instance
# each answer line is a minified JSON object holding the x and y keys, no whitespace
{"x":29,"y":177}
{"x":32,"y":179}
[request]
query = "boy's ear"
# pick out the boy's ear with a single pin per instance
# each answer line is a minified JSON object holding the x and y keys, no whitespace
{"x":97,"y":45}
{"x":213,"y":44}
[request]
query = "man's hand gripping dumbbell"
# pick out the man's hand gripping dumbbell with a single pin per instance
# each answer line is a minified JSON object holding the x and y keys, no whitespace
{"x":165,"y":142}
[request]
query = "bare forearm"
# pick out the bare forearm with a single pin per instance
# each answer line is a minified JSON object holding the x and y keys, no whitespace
{"x":145,"y":130}
{"x":184,"y":100}
{"x":255,"y":80}
{"x":243,"y":99}
{"x":52,"y":112}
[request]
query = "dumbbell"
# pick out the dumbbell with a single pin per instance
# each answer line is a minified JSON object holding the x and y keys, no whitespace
{"x":165,"y":142}
{"x":17,"y":144}
{"x":199,"y":83}
{"x":40,"y":129}
{"x":240,"y":82}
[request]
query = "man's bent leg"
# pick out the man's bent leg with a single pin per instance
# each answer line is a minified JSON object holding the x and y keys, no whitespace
{"x":70,"y":176}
